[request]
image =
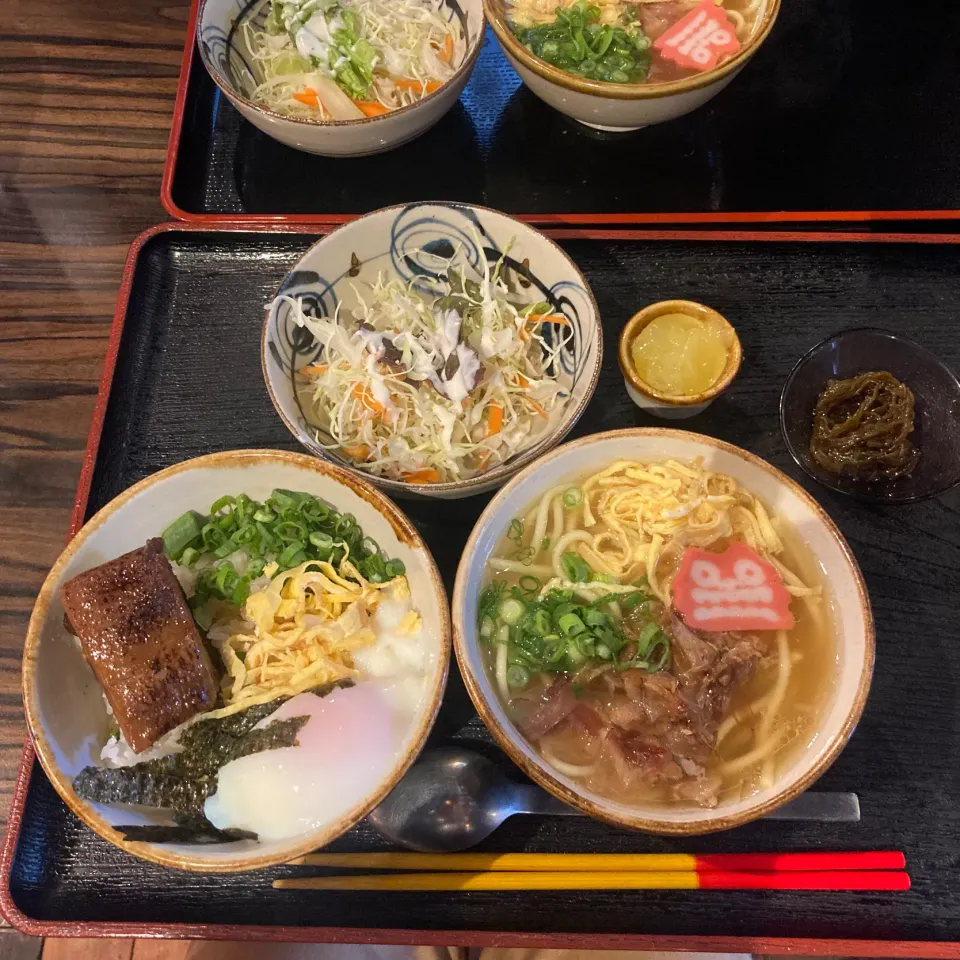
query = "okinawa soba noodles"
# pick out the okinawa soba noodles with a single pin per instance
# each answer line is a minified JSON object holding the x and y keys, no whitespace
{"x":603,"y":674}
{"x":635,"y":41}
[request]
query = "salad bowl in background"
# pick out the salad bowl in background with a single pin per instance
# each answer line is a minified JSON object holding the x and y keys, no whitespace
{"x":403,"y":241}
{"x":620,"y":107}
{"x":853,"y":622}
{"x":64,"y":706}
{"x":227,"y":63}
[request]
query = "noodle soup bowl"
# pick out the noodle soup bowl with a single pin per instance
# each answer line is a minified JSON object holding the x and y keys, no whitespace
{"x":404,"y":243}
{"x":64,"y":705}
{"x":226,"y":56}
{"x":621,"y":107}
{"x":840,"y":577}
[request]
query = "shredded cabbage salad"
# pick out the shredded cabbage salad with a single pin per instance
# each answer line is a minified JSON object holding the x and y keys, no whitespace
{"x":349,"y":59}
{"x":434,"y":388}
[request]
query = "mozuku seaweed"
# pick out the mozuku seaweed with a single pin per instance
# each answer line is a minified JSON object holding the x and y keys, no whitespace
{"x":181,"y":782}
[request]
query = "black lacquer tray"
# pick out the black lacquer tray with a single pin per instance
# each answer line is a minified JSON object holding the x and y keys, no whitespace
{"x":850,"y":111}
{"x":183,"y":379}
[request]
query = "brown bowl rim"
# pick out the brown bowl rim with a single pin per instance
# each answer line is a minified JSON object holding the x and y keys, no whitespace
{"x":156,"y":853}
{"x":238,"y":98}
{"x":649,"y":314}
{"x":495,"y":11}
{"x":542,"y":776}
{"x":496,"y":476}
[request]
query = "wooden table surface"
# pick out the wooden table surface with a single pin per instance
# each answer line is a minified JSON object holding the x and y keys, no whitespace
{"x":86,"y":100}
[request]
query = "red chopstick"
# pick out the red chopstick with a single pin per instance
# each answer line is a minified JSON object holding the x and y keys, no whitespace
{"x":812,"y":880}
{"x":791,"y":862}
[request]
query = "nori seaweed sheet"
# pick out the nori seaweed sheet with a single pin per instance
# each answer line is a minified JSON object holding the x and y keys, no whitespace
{"x":197,"y":831}
{"x":181,"y":782}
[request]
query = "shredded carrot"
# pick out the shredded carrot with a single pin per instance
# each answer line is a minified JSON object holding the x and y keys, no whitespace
{"x":416,"y":86}
{"x":359,"y":452}
{"x":482,"y":459}
{"x":522,"y":381}
{"x":368,"y":400}
{"x":310,"y":97}
{"x":371,"y":108}
{"x":536,"y":406}
{"x":496,"y":419}
{"x":548,"y":318}
{"x":446,"y":54}
{"x":315,"y":369}
{"x":426,"y":475}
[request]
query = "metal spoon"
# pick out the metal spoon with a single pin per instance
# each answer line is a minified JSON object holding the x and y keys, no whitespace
{"x":452,"y":798}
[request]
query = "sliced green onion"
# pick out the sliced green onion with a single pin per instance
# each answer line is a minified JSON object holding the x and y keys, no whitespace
{"x":292,"y":550}
{"x":515,"y":530}
{"x":540,"y":623}
{"x":598,"y":577}
{"x":646,"y":636}
{"x":289,"y":531}
{"x":659,"y":661}
{"x":575,"y":567}
{"x":525,"y":555}
{"x":573,"y":653}
{"x":511,"y":610}
{"x":181,"y":534}
{"x":632,"y":600}
{"x":225,"y":549}
{"x":517,"y":676}
{"x":529,"y":584}
{"x":189,"y":557}
{"x":570,"y":624}
{"x":572,"y":497}
{"x":221,"y":504}
{"x":487,"y":626}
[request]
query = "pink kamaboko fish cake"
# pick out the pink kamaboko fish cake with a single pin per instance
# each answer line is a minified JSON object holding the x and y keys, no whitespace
{"x":353,"y":739}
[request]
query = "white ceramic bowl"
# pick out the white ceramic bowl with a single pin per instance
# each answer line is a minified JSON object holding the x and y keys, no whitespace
{"x":226,"y":63}
{"x":619,"y":107}
{"x":841,"y":579}
{"x":63,"y":702}
{"x":392,"y":241}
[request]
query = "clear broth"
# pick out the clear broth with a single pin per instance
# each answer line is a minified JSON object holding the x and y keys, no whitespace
{"x":812,"y":648}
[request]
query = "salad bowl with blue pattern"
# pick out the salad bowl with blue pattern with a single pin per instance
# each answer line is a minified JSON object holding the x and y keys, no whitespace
{"x":416,"y":244}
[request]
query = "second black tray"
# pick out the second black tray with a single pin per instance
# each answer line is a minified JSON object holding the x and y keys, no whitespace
{"x":850,"y":110}
{"x":187,"y":382}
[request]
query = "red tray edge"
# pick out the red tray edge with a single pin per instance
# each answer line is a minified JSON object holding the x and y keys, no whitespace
{"x":934,"y":950}
{"x":570,"y":219}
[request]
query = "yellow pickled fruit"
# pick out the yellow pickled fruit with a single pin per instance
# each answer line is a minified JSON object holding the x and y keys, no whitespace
{"x":679,"y":355}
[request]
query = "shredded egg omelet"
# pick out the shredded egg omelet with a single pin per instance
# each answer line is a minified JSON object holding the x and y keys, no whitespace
{"x":302,"y":629}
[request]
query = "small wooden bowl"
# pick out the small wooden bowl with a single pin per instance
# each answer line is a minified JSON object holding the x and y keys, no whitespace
{"x":676,"y":406}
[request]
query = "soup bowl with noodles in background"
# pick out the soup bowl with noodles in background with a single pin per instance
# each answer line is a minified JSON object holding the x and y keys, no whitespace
{"x":223,"y":43}
{"x":619,"y":106}
{"x":721,"y":729}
